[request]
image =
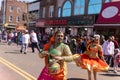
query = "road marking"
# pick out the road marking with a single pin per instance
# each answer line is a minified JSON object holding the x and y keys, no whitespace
{"x":26,"y":75}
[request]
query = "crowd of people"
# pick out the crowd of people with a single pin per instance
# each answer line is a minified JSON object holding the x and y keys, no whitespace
{"x":94,"y":53}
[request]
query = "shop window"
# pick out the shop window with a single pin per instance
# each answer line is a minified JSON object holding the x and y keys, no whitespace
{"x":111,"y":32}
{"x":107,"y":1}
{"x":43,"y":14}
{"x":66,"y":11}
{"x":94,"y":6}
{"x":51,"y":10}
{"x":59,"y":12}
{"x":79,"y":7}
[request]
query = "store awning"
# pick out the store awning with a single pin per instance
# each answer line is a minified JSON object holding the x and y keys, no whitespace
{"x":21,"y":28}
{"x":110,"y":14}
{"x":12,"y":27}
{"x":107,"y":25}
{"x":40,"y":23}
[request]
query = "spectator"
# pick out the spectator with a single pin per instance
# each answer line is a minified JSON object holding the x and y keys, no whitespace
{"x":108,"y":50}
{"x":34,"y":41}
{"x":116,"y":60}
{"x":25,"y":42}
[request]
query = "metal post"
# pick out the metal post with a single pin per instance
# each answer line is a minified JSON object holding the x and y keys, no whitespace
{"x":4,"y":16}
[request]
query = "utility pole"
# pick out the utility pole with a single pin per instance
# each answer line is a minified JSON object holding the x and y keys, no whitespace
{"x":4,"y":15}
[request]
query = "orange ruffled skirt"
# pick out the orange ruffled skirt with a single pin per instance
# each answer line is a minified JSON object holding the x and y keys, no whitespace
{"x":95,"y":64}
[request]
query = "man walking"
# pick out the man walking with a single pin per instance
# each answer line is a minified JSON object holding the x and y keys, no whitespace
{"x":34,"y":41}
{"x":108,"y":50}
{"x":25,"y":42}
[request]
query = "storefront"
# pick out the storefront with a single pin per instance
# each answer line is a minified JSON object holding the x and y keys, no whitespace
{"x":72,"y":25}
{"x":20,"y":28}
{"x":40,"y":25}
{"x":108,"y":22}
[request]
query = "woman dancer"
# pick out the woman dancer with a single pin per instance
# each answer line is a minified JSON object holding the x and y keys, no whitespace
{"x":56,"y":53}
{"x":90,"y":59}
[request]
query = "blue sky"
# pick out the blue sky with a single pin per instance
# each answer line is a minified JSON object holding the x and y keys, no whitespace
{"x":19,"y":0}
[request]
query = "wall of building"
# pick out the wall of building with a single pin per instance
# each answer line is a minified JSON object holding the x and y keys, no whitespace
{"x":114,"y":0}
{"x":34,"y":12}
{"x":16,"y":4}
{"x":34,"y":6}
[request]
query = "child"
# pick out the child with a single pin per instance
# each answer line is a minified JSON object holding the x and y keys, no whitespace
{"x":116,"y":59}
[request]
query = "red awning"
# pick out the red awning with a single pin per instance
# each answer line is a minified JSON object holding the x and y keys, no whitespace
{"x":40,"y":23}
{"x":110,"y":13}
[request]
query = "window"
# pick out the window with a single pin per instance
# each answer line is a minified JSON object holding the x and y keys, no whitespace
{"x":18,"y":19}
{"x":66,"y":9}
{"x":43,"y":14}
{"x":37,"y":15}
{"x":10,"y":18}
{"x":107,"y":1}
{"x":79,"y":7}
{"x":19,"y":10}
{"x":94,"y":6}
{"x":11,"y":8}
{"x":59,"y":12}
{"x":51,"y":9}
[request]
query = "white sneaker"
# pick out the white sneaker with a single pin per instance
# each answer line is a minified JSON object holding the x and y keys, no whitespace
{"x":115,"y":71}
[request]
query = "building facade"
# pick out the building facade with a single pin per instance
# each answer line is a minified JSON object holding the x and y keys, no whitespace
{"x":33,"y":14}
{"x":108,"y":21}
{"x":71,"y":16}
{"x":13,"y":11}
{"x":47,"y":11}
{"x":1,"y":18}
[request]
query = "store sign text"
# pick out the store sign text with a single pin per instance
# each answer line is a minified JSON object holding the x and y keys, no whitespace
{"x":56,"y":22}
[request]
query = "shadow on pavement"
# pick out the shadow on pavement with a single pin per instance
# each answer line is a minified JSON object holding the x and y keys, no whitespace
{"x":110,"y":74}
{"x":14,"y":52}
{"x":75,"y":79}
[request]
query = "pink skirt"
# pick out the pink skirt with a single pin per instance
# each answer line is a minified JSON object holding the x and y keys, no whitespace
{"x":44,"y":75}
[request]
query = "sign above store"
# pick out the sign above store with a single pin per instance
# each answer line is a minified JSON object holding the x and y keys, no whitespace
{"x":40,"y":23}
{"x":110,"y":13}
{"x":56,"y":22}
{"x":72,"y":21}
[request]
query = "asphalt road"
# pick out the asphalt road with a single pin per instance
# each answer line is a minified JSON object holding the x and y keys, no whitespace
{"x":17,"y":66}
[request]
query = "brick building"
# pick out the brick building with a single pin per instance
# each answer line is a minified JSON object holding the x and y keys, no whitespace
{"x":13,"y":13}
